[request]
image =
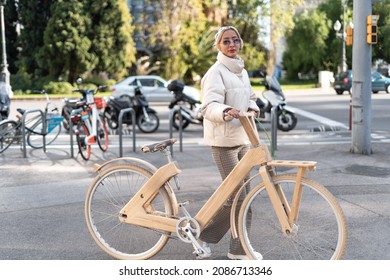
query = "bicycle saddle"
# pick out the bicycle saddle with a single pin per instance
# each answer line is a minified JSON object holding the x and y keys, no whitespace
{"x":159,"y":146}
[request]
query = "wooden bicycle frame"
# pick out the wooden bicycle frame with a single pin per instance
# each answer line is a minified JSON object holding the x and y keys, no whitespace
{"x":138,"y":210}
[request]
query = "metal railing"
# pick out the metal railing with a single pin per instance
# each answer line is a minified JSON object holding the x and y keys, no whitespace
{"x":171,"y":120}
{"x":44,"y":128}
{"x":274,"y":128}
{"x":120,"y":127}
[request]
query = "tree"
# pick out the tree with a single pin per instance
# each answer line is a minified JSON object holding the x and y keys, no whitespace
{"x":197,"y":65}
{"x":381,"y":51}
{"x":245,"y":15}
{"x":111,"y":43}
{"x":176,"y":33}
{"x":306,"y":44}
{"x":10,"y":22}
{"x":333,"y":10}
{"x":33,"y":19}
{"x":66,"y":43}
{"x":281,"y":15}
{"x":85,"y":37}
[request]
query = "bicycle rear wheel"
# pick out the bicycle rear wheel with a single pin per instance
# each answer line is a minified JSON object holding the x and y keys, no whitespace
{"x":81,"y":134}
{"x":102,"y":135}
{"x":319,"y":233}
{"x":35,"y":134}
{"x":106,"y":196}
{"x":7,"y":134}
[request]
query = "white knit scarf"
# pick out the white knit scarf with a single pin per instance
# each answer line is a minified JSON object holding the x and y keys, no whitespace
{"x":235,"y":65}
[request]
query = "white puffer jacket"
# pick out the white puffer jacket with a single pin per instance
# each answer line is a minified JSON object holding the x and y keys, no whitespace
{"x":226,"y":85}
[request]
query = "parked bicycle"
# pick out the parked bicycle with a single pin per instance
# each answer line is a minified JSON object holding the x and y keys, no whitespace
{"x":70,"y":104}
{"x":47,"y":123}
{"x":131,"y":209}
{"x":90,"y":126}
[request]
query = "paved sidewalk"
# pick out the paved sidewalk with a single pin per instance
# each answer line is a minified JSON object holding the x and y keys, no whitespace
{"x":361,"y":183}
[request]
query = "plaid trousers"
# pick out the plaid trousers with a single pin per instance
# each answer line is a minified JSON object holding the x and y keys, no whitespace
{"x":226,"y":158}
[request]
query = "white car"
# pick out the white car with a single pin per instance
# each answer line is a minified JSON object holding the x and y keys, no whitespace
{"x":154,"y":88}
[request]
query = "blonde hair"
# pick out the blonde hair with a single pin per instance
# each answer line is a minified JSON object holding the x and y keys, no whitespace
{"x":221,"y":30}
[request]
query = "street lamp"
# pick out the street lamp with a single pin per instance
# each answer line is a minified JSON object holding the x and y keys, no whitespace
{"x":5,"y":86}
{"x":337,"y":26}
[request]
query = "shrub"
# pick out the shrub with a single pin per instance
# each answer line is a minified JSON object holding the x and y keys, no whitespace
{"x":21,"y":81}
{"x":58,"y":88}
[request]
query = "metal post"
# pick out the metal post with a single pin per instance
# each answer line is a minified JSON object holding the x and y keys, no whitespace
{"x":171,"y":120}
{"x":120,"y":124}
{"x":44,"y":131}
{"x":274,"y":128}
{"x":171,"y":115}
{"x":361,"y":84}
{"x":71,"y":135}
{"x":181,"y":129}
{"x":5,"y":75}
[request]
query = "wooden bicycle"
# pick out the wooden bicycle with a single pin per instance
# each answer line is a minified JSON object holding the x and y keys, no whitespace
{"x":131,"y":209}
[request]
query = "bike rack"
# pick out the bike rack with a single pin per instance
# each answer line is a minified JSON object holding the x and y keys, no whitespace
{"x":71,"y":135}
{"x":120,"y":124}
{"x":180,"y":129}
{"x":44,"y":125}
{"x":274,"y":128}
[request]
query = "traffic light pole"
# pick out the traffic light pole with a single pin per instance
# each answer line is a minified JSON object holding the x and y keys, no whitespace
{"x":361,"y":85}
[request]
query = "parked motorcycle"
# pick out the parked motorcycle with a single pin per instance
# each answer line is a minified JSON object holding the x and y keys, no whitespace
{"x":189,"y":108}
{"x":146,"y":117}
{"x":273,"y":96}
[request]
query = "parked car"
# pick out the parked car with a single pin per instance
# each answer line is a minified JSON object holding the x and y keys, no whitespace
{"x":343,"y":82}
{"x":385,"y":71}
{"x":153,"y":87}
{"x":379,"y":82}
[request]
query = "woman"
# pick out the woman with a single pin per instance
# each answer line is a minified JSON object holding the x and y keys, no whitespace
{"x":226,"y":93}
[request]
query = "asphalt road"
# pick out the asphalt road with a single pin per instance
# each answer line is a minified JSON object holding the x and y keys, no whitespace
{"x":42,"y":196}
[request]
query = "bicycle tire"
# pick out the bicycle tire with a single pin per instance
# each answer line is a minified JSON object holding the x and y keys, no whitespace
{"x":7,"y":134}
{"x":81,"y":134}
{"x":34,"y":139}
{"x":320,"y":231}
{"x":107,"y":195}
{"x":102,"y":135}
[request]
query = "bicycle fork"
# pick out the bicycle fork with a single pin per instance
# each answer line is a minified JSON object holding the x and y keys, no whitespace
{"x":286,"y":214}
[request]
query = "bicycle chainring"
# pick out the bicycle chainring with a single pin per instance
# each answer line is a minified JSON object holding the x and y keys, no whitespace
{"x":187,"y":226}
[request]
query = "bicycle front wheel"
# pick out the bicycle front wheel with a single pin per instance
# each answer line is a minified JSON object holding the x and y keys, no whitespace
{"x":7,"y":134}
{"x":107,"y":195}
{"x":320,"y":231}
{"x":102,"y":135}
{"x":35,"y":136}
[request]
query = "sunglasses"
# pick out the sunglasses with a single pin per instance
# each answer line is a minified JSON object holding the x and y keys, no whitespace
{"x":227,"y":42}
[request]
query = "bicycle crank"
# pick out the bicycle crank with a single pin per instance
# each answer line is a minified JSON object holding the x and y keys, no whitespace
{"x":187,"y":229}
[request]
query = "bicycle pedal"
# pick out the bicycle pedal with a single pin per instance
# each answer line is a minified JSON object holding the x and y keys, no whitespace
{"x":201,"y":253}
